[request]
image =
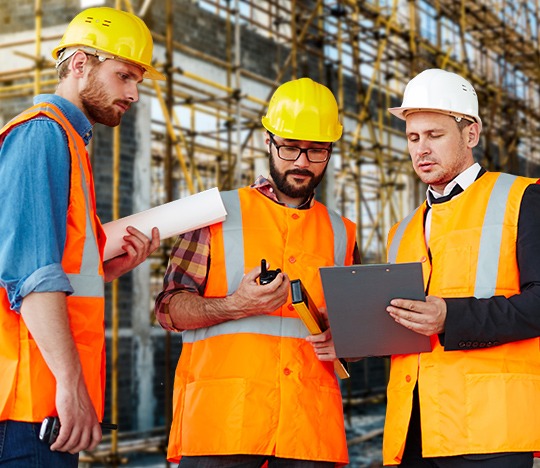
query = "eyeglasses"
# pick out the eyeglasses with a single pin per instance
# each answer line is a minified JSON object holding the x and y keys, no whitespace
{"x":292,"y":153}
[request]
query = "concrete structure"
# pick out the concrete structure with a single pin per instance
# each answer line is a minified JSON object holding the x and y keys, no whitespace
{"x":202,"y":128}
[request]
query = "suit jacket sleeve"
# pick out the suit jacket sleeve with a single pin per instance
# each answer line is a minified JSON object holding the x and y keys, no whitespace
{"x":472,"y":323}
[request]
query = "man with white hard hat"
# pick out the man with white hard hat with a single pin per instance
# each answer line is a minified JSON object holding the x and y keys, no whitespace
{"x":472,"y":402}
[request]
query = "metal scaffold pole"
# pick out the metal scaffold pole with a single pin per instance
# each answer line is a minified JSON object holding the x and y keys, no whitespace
{"x":223,"y":60}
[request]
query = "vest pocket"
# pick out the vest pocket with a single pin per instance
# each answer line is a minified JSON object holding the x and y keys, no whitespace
{"x":456,"y":275}
{"x":502,"y":412}
{"x":213,"y":416}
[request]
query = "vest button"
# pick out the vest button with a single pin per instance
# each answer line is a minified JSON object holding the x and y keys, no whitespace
{"x":423,"y":259}
{"x":295,"y":216}
{"x":292,"y":259}
{"x":291,"y":307}
{"x":407,"y":378}
{"x":287,"y":371}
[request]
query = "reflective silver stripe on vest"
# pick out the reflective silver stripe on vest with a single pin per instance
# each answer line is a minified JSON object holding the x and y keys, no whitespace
{"x":398,"y":236}
{"x":340,"y":238}
{"x":269,"y":325}
{"x":88,"y":282}
{"x":233,"y":240}
{"x":491,"y":238}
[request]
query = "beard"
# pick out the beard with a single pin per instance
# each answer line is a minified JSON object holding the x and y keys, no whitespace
{"x":94,"y":98}
{"x":290,"y":190}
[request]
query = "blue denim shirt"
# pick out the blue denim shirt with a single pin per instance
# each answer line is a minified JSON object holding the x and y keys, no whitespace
{"x":34,"y":194}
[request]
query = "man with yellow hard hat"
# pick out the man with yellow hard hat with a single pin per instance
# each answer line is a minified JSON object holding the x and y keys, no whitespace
{"x":52,"y":340}
{"x":249,"y":388}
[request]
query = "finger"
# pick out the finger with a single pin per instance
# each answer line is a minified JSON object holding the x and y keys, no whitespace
{"x":316,"y":339}
{"x":404,"y":317}
{"x":156,"y":240}
{"x":279,"y":285}
{"x":96,"y":437}
{"x":252,"y":275}
{"x":67,"y":439}
{"x":403,"y":304}
{"x":83,"y":442}
{"x":329,"y":356}
{"x":142,"y":239}
{"x":60,"y":440}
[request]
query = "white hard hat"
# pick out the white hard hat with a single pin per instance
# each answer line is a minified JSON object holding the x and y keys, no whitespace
{"x":437,"y":90}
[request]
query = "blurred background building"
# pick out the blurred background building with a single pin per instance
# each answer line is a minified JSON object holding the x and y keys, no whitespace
{"x":201,"y":129}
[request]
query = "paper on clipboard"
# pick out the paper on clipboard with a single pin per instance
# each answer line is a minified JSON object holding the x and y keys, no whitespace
{"x":173,"y":218}
{"x":356,"y":300}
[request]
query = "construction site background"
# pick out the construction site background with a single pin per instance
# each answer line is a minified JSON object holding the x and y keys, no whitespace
{"x":201,"y":129}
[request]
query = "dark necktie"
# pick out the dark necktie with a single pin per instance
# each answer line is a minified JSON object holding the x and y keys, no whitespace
{"x":455,"y":191}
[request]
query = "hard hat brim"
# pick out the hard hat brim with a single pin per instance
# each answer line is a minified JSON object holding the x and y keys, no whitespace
{"x":402,"y":112}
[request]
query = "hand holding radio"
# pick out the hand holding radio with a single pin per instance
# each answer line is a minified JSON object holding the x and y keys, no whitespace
{"x":267,"y":276}
{"x":250,"y":298}
{"x":50,"y":428}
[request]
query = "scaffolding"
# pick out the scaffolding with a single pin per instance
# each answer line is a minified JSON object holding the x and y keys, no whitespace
{"x":207,"y":132}
{"x":366,"y":52}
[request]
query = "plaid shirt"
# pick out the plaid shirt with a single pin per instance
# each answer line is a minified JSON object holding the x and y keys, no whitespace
{"x":190,"y":256}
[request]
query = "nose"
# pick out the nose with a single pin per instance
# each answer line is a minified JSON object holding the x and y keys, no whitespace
{"x":302,"y":160}
{"x":422,"y":148}
{"x":133,"y":92}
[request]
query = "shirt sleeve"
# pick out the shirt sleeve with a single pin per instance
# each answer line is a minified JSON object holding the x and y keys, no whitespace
{"x":472,"y":323}
{"x":187,"y":272}
{"x":34,"y":189}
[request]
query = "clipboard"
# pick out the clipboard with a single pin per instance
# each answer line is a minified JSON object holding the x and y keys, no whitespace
{"x":356,"y":300}
{"x":309,"y":313}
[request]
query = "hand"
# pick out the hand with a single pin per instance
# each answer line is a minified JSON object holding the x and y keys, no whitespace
{"x":323,"y":344}
{"x":137,"y":248}
{"x":426,"y":318}
{"x":79,"y":425}
{"x":255,"y":299}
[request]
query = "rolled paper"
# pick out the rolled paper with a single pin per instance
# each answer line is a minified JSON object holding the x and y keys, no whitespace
{"x":173,"y":218}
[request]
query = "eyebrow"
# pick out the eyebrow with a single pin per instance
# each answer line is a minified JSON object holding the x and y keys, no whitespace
{"x":430,"y":130}
{"x":125,"y":68}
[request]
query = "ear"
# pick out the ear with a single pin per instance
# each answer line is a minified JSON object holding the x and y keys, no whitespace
{"x":472,"y":135}
{"x":267,"y":143}
{"x":78,"y":64}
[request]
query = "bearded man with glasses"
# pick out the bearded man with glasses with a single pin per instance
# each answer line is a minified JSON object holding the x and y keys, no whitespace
{"x":249,"y":388}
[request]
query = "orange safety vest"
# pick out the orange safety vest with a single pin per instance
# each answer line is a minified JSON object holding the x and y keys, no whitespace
{"x":254,"y":385}
{"x":475,"y":401}
{"x":28,"y":388}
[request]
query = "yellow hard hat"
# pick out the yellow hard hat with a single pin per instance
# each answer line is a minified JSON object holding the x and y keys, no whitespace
{"x":303,"y":110}
{"x":117,"y":33}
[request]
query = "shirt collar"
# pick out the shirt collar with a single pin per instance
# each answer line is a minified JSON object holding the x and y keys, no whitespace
{"x":264,"y":186}
{"x":80,"y":122}
{"x":464,"y":180}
